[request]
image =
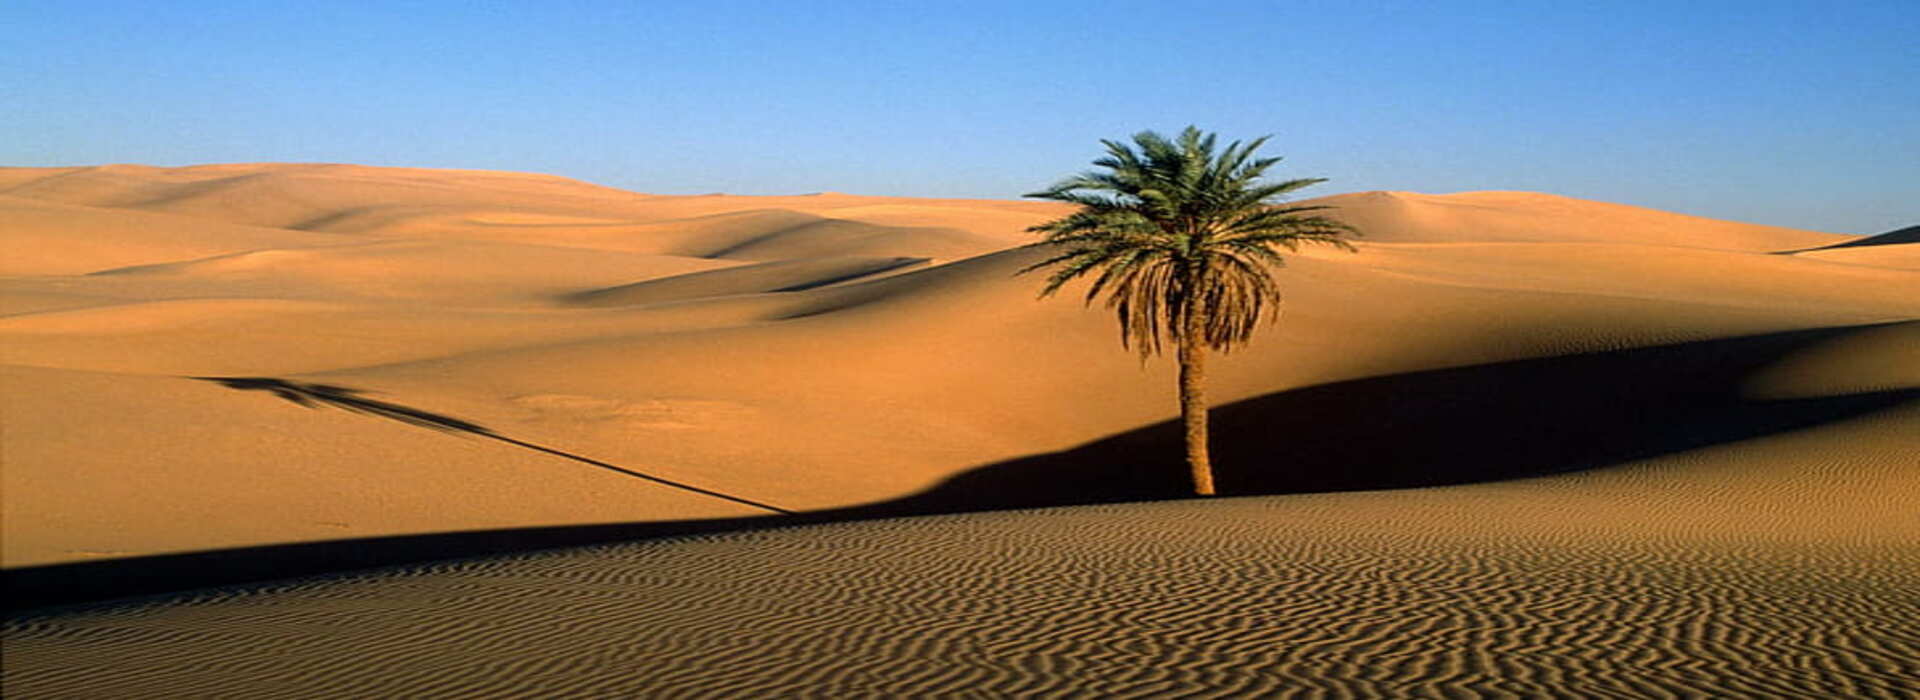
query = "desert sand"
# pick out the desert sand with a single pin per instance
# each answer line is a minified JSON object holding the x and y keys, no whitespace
{"x":1519,"y":443}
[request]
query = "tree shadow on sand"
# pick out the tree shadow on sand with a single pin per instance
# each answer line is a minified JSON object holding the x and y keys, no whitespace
{"x":1449,"y":426}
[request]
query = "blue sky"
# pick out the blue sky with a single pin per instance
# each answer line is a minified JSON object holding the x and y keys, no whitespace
{"x":1803,"y":114}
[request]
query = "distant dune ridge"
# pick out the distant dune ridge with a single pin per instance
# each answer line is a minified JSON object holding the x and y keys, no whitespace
{"x":1702,"y":430}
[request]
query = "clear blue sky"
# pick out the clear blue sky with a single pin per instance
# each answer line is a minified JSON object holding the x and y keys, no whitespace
{"x":1803,"y":114}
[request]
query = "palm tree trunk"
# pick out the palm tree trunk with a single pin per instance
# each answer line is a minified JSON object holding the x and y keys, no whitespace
{"x":1193,"y":403}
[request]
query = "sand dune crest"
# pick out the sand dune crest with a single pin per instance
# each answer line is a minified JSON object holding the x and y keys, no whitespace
{"x":1532,"y":216}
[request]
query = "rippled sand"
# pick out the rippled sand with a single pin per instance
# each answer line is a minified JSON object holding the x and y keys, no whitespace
{"x":1263,"y":596}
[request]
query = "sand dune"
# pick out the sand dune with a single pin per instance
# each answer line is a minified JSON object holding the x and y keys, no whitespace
{"x":1532,"y":216}
{"x":302,"y":360}
{"x":779,"y":276}
{"x":277,"y":476}
{"x":47,"y":238}
{"x":472,"y":204}
{"x":1899,"y":249}
{"x":1898,"y":256}
{"x":458,"y":273}
{"x":1905,"y":257}
{"x":1531,"y":588}
{"x":873,"y":388}
{"x":838,"y":237}
{"x":293,"y":196}
{"x":1910,"y":234}
{"x":1673,"y":273}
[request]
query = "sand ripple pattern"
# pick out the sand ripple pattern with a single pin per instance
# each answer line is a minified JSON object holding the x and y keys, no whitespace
{"x":1226,"y":599}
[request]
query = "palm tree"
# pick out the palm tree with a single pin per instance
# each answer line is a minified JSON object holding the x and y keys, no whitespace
{"x":1184,"y":239}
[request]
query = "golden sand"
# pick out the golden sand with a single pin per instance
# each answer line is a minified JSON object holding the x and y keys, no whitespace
{"x":1706,"y":427}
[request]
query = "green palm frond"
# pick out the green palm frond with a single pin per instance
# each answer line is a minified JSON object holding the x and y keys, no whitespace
{"x":1172,"y":229}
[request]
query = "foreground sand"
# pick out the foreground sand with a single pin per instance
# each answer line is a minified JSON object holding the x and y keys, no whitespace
{"x":264,"y":355}
{"x":1540,"y":588}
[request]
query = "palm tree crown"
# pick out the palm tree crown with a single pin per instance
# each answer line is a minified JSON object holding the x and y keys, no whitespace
{"x":1184,"y":239}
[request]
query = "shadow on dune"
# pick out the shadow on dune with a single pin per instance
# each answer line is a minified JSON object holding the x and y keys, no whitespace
{"x":1450,"y":426}
{"x":317,"y":395}
{"x":877,"y":268}
{"x":1908,"y":235}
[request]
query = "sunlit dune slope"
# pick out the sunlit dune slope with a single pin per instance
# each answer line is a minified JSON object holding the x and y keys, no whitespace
{"x":194,"y":459}
{"x":780,"y":276}
{"x":479,"y":205}
{"x":1532,"y":216}
{"x":795,"y":350}
{"x":455,"y":273}
{"x":300,"y":196}
{"x":48,"y":238}
{"x":1899,"y":257}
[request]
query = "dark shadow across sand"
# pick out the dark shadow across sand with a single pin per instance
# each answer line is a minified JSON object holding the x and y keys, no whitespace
{"x":1450,"y":426}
